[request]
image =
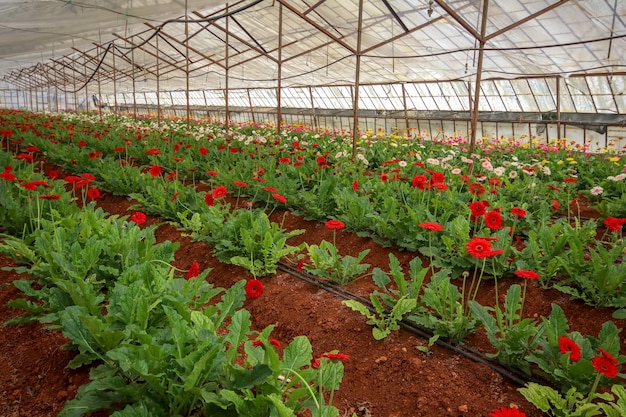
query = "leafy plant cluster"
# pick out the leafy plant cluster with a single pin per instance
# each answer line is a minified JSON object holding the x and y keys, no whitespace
{"x":161,"y":345}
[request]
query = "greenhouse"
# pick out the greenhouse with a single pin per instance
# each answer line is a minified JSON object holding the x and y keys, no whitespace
{"x":313,"y":208}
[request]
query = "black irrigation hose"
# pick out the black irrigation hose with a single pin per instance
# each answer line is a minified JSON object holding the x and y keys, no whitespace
{"x":512,"y":374}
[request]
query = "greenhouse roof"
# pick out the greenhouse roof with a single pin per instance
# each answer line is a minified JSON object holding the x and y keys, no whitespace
{"x":149,"y":45}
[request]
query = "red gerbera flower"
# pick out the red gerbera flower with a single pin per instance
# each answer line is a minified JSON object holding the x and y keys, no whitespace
{"x":608,"y":356}
{"x":203,"y":151}
{"x":219,"y":192}
{"x":493,"y":220}
{"x":209,"y":200}
{"x":240,"y":184}
{"x":254,"y":288}
{"x":212,"y":173}
{"x":432,"y":226}
{"x":481,"y":248}
{"x":355,"y":185}
{"x":321,"y":162}
{"x":614,"y":224}
{"x":50,"y":197}
{"x":420,"y":182}
{"x":478,"y":208}
{"x":507,"y":412}
{"x":555,"y":205}
{"x":437,"y":177}
{"x":604,"y":366}
{"x":338,"y":356}
{"x":53,"y":175}
{"x":93,"y":193}
{"x":384,"y":177}
{"x":567,"y":345}
{"x":8,"y":176}
{"x":570,"y":180}
{"x":315,"y":363}
{"x":156,"y":170}
{"x":138,"y":217}
{"x":300,"y":264}
{"x":552,"y":187}
{"x":520,"y":213}
{"x":526,"y":274}
{"x":194,"y":270}
{"x":334,"y":224}
{"x":495,"y":182}
{"x":476,"y":189}
{"x":153,"y":151}
{"x":279,"y":198}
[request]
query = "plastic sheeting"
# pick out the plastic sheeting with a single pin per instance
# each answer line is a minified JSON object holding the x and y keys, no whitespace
{"x":428,"y":48}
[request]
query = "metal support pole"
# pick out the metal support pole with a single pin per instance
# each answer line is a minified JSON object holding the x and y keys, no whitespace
{"x":279,"y":114}
{"x":558,"y":107}
{"x":226,"y":75}
{"x":481,"y":54}
{"x":158,"y":83}
{"x":187,"y":63}
{"x":355,"y":121}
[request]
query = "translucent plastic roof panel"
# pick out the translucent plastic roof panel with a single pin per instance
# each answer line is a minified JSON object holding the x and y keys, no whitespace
{"x":105,"y":45}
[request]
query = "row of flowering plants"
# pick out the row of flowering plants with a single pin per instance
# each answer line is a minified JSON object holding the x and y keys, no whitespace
{"x":525,"y":201}
{"x":161,"y":342}
{"x":501,"y":213}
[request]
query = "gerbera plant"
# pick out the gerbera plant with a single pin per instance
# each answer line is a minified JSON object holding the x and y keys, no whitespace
{"x":326,"y":261}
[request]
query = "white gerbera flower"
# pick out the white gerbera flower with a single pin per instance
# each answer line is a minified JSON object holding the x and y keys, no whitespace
{"x":597,"y":190}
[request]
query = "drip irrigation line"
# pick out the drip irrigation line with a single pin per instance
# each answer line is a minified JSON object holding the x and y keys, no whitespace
{"x":512,"y":374}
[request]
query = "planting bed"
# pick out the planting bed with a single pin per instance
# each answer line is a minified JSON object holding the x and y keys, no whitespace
{"x":382,"y":378}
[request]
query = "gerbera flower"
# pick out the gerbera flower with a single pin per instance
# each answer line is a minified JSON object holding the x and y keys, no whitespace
{"x":219,"y":192}
{"x":156,"y":170}
{"x":479,"y":248}
{"x":526,"y":274}
{"x":614,"y":224}
{"x":338,"y":356}
{"x":520,"y":213}
{"x":507,"y":412}
{"x":93,"y":193}
{"x":493,"y":220}
{"x":420,"y":182}
{"x":355,"y":186}
{"x":432,"y":226}
{"x":604,"y":366}
{"x":209,"y":200}
{"x":608,"y":356}
{"x":555,"y":205}
{"x":478,"y":208}
{"x":138,"y":217}
{"x":334,"y":224}
{"x":567,"y":345}
{"x":153,"y":151}
{"x":8,"y":176}
{"x":279,"y":198}
{"x":194,"y":270}
{"x":240,"y":184}
{"x":50,"y":197}
{"x":437,"y":177}
{"x":476,"y":189}
{"x":254,"y":288}
{"x":596,"y":190}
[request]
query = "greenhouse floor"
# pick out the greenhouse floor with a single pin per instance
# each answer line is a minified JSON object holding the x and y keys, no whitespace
{"x":385,"y":378}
